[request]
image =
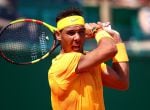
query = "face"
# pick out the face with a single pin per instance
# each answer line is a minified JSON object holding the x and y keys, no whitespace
{"x":72,"y":38}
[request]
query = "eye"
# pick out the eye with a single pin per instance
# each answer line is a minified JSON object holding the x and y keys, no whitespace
{"x":81,"y":32}
{"x":71,"y":32}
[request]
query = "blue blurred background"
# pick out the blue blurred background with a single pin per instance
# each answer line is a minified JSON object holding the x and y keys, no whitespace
{"x":26,"y":87}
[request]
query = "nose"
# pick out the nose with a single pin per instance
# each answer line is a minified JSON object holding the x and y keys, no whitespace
{"x":77,"y":36}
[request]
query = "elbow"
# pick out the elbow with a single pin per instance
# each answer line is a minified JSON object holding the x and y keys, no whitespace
{"x":124,"y":86}
{"x":124,"y":83}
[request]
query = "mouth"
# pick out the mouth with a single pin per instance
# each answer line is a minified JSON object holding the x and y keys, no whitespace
{"x":76,"y":47}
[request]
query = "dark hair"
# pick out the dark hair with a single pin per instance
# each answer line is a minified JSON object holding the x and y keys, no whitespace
{"x":68,"y":12}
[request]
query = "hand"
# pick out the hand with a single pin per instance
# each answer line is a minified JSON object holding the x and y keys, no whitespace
{"x":104,"y":25}
{"x":90,"y":29}
{"x":107,"y":27}
{"x":114,"y":34}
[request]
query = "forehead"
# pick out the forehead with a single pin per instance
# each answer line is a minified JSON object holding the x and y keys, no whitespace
{"x":74,"y":27}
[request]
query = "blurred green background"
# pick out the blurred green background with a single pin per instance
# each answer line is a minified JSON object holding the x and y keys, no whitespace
{"x":26,"y":87}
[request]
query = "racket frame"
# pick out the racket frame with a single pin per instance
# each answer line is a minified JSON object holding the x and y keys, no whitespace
{"x":51,"y":28}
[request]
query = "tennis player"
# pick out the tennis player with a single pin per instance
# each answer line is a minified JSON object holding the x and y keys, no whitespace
{"x":76,"y":77}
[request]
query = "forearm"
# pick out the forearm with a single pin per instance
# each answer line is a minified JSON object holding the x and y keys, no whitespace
{"x":106,"y":50}
{"x":118,"y":75}
{"x":122,"y":71}
{"x":120,"y":63}
{"x":106,"y":46}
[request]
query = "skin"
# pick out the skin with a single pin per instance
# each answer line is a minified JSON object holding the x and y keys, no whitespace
{"x":72,"y":40}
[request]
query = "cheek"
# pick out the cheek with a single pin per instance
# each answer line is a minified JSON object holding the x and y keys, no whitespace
{"x":66,"y":40}
{"x":82,"y":43}
{"x":82,"y":40}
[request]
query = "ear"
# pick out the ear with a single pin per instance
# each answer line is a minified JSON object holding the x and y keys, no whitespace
{"x":58,"y":35}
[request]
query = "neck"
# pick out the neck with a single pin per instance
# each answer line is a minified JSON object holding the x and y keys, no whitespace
{"x":62,"y":51}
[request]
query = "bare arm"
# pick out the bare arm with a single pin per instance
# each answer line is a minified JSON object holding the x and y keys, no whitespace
{"x":105,"y":50}
{"x":116,"y":76}
{"x":101,"y":54}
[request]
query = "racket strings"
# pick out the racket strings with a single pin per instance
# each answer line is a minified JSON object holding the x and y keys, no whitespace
{"x":25,"y":41}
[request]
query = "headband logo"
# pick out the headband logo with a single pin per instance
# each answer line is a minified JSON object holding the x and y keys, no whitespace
{"x":73,"y":20}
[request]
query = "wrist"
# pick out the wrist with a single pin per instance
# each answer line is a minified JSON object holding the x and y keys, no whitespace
{"x":102,"y":34}
{"x":121,"y":55}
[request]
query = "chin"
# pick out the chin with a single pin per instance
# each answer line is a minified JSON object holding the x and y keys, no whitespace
{"x":78,"y":50}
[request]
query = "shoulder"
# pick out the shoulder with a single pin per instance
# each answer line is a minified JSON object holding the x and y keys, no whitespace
{"x":65,"y":63}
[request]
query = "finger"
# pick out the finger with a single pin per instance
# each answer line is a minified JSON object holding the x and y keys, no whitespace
{"x":114,"y":34}
{"x":100,"y":24}
{"x":111,"y":31}
{"x":103,"y":23}
{"x":87,"y":26}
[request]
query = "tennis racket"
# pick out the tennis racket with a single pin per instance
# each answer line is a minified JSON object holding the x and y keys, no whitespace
{"x":27,"y":41}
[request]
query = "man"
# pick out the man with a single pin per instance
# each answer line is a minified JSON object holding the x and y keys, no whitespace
{"x":77,"y":77}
